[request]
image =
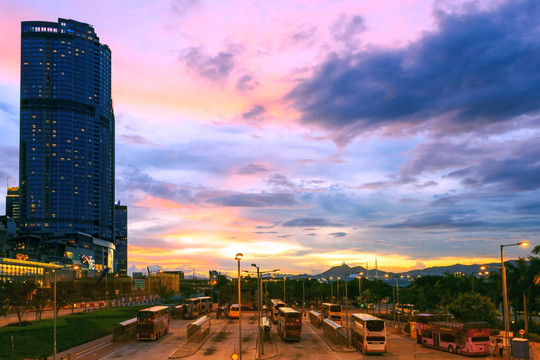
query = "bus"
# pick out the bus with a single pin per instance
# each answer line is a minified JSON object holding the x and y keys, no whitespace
{"x":289,"y":324}
{"x":467,"y":338}
{"x":332,"y":312}
{"x":234,"y":311}
{"x":152,"y":322}
{"x":276,"y":304}
{"x":368,"y":333}
{"x":406,"y":309}
{"x":196,"y":306}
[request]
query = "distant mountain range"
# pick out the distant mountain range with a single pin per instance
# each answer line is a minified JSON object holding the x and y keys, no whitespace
{"x":345,"y":270}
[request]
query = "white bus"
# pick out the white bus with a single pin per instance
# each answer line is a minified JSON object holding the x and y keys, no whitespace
{"x":368,"y":334}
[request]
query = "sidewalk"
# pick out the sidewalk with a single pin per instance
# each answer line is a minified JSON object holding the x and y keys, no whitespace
{"x":31,"y":316}
{"x":91,"y":350}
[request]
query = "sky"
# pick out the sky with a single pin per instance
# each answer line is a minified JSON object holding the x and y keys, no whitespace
{"x":307,"y":134}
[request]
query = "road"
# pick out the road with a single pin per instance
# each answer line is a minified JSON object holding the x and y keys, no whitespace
{"x":223,"y":342}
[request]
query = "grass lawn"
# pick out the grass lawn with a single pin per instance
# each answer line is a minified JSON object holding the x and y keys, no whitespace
{"x":36,"y":340}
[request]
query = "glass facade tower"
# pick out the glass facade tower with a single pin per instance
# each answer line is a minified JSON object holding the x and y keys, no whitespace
{"x":121,"y":240}
{"x":66,"y":179}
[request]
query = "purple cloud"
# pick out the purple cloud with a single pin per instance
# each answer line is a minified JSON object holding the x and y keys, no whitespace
{"x":479,"y":68}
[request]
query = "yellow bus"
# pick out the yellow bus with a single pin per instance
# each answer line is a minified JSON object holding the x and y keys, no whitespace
{"x":276,"y":304}
{"x":332,"y":312}
{"x":234,"y":311}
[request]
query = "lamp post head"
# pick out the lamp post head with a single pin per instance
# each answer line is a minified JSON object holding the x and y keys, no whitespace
{"x":239,"y":256}
{"x":524,"y":243}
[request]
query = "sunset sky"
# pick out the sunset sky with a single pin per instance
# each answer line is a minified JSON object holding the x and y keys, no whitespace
{"x":305,"y":134}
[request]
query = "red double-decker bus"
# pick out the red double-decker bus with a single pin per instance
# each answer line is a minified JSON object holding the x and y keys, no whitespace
{"x":289,"y":324}
{"x":468,"y":338}
{"x":152,"y":322}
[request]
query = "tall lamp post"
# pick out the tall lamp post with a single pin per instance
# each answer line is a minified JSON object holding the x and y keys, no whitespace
{"x":337,"y":288}
{"x":360,"y":287}
{"x":260,"y":302}
{"x":148,"y":268}
{"x":54,"y":314}
{"x":238,"y":258}
{"x":395,"y":301}
{"x":331,"y":290}
{"x":347,"y":307}
{"x":284,"y":278}
{"x":505,"y":299}
{"x":212,"y":283}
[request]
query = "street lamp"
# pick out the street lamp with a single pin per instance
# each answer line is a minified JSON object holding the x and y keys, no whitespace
{"x":54,"y":314}
{"x":238,"y":258}
{"x":505,"y":299}
{"x":148,"y":268}
{"x":259,"y":334}
{"x":304,"y":294}
{"x":212,"y":283}
{"x":347,"y":307}
{"x":284,"y":278}
{"x":331,"y":290}
{"x":360,"y":287}
{"x":337,"y":288}
{"x":260,"y":302}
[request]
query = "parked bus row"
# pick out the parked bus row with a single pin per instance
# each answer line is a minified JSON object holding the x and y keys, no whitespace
{"x":368,"y":333}
{"x":194,"y":307}
{"x":153,"y":322}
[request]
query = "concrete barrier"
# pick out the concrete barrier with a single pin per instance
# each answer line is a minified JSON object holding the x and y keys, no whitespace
{"x":315,"y":318}
{"x":198,"y":329}
{"x":125,"y":330}
{"x":334,"y":332}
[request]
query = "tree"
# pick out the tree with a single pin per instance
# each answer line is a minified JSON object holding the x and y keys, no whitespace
{"x":65,"y":295}
{"x":19,"y":296}
{"x":3,"y":298}
{"x":521,"y":281}
{"x":40,"y":298}
{"x":473,"y":307}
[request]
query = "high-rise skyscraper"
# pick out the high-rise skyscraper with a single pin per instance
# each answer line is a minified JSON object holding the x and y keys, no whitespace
{"x":66,"y":132}
{"x":120,"y":236}
{"x":12,"y":203}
